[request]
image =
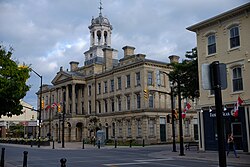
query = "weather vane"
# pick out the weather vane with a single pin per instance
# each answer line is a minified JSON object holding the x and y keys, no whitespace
{"x":100,"y":7}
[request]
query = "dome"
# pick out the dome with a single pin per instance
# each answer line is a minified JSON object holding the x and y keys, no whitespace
{"x":100,"y":21}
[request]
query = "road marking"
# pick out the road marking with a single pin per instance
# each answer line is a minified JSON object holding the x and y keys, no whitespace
{"x":123,"y":164}
{"x":138,"y":161}
{"x":153,"y":160}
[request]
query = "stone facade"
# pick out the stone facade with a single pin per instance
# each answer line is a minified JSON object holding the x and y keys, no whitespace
{"x":107,"y":94}
{"x":225,"y":38}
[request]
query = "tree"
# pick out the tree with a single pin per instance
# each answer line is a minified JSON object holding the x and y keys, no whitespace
{"x":187,"y":74}
{"x":12,"y":84}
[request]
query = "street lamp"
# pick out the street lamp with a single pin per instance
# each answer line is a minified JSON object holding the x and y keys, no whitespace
{"x":180,"y":116}
{"x":40,"y":110}
{"x":173,"y":116}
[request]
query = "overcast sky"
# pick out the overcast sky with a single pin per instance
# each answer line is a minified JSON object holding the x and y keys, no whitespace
{"x":48,"y":34}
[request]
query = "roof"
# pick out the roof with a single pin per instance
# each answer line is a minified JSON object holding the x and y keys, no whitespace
{"x":214,"y":20}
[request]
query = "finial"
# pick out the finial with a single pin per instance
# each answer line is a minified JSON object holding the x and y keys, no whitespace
{"x":100,"y":8}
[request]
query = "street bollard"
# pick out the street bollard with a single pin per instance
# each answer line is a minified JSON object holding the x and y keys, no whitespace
{"x":2,"y":157}
{"x":94,"y":142}
{"x":83,"y":141}
{"x":53,"y":144}
{"x":143,"y":143}
{"x":63,"y":162}
{"x":115,"y":143}
{"x":25,"y":156}
{"x":31,"y":143}
{"x":130,"y":143}
{"x":99,"y":144}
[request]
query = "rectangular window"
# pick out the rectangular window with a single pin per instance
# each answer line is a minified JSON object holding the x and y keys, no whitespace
{"x":89,"y":90}
{"x":105,"y":86}
{"x":120,"y":129}
{"x":187,"y":128}
{"x":151,"y":101}
{"x":237,"y":79}
{"x":128,"y":81}
{"x":138,"y":79}
{"x":234,"y":37}
{"x":105,"y":105}
{"x":128,"y":102}
{"x":112,"y":105}
{"x":119,"y":83}
{"x":151,"y":128}
{"x":129,"y":128}
{"x":99,"y":107}
{"x":99,"y":88}
{"x":150,"y":78}
{"x":112,"y":85}
{"x":82,"y":108}
{"x":138,"y":99}
{"x":139,"y":132}
{"x":119,"y":103}
{"x":89,"y":107}
{"x":211,"y":44}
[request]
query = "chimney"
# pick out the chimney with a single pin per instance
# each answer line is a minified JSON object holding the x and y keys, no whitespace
{"x":128,"y":50}
{"x":108,"y":58}
{"x":174,"y":59}
{"x":73,"y":65}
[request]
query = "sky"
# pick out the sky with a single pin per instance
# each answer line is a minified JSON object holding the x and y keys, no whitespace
{"x":48,"y":34}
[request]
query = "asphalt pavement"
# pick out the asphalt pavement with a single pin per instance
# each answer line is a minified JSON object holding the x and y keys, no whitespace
{"x":193,"y":154}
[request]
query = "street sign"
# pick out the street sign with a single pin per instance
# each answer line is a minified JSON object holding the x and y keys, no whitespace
{"x":208,"y":78}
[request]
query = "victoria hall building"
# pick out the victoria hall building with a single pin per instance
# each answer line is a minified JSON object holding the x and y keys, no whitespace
{"x":127,"y":98}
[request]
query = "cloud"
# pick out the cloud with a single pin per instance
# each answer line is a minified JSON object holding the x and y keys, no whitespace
{"x":49,"y":34}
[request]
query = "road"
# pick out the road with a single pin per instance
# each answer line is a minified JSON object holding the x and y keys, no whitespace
{"x":153,"y":156}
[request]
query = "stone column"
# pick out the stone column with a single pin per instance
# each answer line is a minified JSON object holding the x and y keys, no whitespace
{"x":67,"y":100}
{"x":73,"y":99}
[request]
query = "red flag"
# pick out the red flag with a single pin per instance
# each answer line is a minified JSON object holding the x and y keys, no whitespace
{"x":188,"y":106}
{"x":53,"y":105}
{"x":239,"y":101}
{"x":236,"y":108}
{"x":48,"y":107}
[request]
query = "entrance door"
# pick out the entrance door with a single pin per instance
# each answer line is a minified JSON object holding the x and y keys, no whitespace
{"x":237,"y":133}
{"x":163,"y":129}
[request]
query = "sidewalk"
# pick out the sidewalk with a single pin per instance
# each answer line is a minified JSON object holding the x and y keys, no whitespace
{"x":192,"y":154}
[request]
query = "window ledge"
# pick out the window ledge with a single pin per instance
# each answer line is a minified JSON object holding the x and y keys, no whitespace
{"x":237,"y":92}
{"x":211,"y":55}
{"x":233,"y":49}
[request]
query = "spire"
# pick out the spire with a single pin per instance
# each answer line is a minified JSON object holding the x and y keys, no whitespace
{"x":100,"y":8}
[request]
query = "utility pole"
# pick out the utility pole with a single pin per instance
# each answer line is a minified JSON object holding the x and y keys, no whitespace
{"x":173,"y":117}
{"x":216,"y":86}
{"x":180,"y":117}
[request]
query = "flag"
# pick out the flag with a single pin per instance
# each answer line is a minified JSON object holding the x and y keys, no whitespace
{"x":53,"y":105}
{"x":236,"y":107}
{"x":187,"y":107}
{"x":48,"y":107}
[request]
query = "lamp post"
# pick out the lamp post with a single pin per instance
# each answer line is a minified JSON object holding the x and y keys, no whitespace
{"x":180,"y":116}
{"x":40,"y":110}
{"x":173,"y":119}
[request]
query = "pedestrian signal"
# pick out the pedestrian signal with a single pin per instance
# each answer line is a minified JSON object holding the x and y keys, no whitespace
{"x":145,"y":93}
{"x":59,"y":108}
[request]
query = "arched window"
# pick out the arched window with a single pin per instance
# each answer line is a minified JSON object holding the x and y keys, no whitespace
{"x":99,"y":34}
{"x":105,"y":37}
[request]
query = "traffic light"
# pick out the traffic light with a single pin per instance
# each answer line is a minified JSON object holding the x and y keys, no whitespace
{"x":175,"y":114}
{"x":42,"y":104}
{"x":145,"y":93}
{"x":59,"y":108}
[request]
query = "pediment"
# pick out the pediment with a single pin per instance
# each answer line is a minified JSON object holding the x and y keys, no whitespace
{"x":61,"y":77}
